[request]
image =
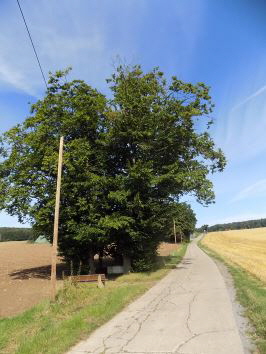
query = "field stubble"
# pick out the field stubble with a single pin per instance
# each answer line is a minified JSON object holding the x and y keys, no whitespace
{"x":245,"y":248}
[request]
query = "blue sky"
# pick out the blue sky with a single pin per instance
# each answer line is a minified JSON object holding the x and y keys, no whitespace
{"x":221,"y":43}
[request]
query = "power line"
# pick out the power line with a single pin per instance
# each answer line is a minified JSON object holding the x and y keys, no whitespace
{"x":32,"y":44}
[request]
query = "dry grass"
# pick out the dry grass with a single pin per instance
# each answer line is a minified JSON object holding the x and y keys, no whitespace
{"x":166,"y":248}
{"x":246,"y":248}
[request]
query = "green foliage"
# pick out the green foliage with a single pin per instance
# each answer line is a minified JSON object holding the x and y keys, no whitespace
{"x":185,"y":221}
{"x":16,"y":234}
{"x":127,"y":161}
{"x":158,"y":155}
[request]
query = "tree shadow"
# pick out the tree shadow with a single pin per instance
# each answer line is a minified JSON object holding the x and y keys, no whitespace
{"x":43,"y":272}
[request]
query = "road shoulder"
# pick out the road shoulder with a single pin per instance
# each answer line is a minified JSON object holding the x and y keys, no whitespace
{"x":244,"y":326}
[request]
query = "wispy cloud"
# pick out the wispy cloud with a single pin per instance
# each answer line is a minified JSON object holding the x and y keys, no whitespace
{"x":78,"y":34}
{"x":88,"y":36}
{"x":60,"y":42}
{"x":249,"y":98}
{"x":254,"y":190}
{"x":244,"y":132}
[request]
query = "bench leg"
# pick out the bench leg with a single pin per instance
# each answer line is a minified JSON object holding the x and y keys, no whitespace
{"x":100,"y":283}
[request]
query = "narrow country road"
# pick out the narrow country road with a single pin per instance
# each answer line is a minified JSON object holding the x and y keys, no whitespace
{"x":187,"y":312}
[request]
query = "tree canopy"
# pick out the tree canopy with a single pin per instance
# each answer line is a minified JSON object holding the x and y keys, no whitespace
{"x":127,"y":162}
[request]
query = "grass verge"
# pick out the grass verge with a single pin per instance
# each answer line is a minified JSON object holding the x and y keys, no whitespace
{"x":251,"y":293}
{"x":52,"y":328}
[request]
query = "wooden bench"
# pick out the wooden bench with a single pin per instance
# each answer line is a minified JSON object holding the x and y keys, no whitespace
{"x":90,"y":278}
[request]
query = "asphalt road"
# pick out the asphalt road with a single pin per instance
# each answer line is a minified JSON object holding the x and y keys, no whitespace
{"x":187,"y":312}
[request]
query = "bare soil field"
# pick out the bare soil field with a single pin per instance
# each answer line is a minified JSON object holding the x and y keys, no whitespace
{"x":25,"y":274}
{"x":246,"y":248}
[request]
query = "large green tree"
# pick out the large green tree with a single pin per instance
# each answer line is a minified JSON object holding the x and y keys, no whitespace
{"x":126,"y":162}
{"x":157,"y":153}
{"x":28,"y":171}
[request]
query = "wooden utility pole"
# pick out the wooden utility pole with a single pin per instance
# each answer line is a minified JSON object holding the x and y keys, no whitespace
{"x":56,"y":220}
{"x":174,"y":230}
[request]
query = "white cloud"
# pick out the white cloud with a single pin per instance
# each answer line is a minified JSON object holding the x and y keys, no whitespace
{"x":250,"y":97}
{"x":244,"y":133}
{"x":254,"y":190}
{"x":86,"y":35}
{"x":18,"y":65}
{"x":190,"y":25}
{"x":65,"y":34}
{"x":13,"y":77}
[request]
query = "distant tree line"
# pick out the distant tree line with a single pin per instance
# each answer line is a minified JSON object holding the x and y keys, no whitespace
{"x":237,"y":225}
{"x":185,"y":220}
{"x":15,"y":234}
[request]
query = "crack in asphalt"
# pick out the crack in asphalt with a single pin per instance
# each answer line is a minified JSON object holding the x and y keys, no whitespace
{"x":150,"y":309}
{"x":189,"y":313}
{"x":195,"y":335}
{"x":148,"y":315}
{"x":120,"y":338}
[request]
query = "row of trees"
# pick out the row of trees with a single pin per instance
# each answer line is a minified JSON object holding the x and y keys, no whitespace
{"x":184,"y":219}
{"x":15,"y":234}
{"x":237,"y":225}
{"x":127,"y":162}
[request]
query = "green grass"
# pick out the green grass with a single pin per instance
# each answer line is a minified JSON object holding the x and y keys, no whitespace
{"x":251,"y":293}
{"x":52,"y":328}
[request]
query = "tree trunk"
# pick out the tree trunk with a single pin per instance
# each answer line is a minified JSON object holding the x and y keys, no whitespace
{"x":126,"y":264}
{"x":101,"y":260}
{"x":91,"y":263}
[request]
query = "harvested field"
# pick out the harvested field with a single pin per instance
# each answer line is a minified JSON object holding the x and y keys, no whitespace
{"x":246,"y":248}
{"x":165,"y":249}
{"x":25,"y":274}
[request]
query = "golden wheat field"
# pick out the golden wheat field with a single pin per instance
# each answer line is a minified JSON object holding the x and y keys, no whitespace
{"x":246,"y":248}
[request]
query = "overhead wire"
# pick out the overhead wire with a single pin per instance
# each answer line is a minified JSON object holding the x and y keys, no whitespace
{"x":33,"y":46}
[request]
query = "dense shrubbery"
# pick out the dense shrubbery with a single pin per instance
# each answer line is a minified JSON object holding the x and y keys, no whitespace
{"x":15,"y":234}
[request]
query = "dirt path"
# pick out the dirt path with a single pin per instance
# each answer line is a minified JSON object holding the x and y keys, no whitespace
{"x":188,"y":312}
